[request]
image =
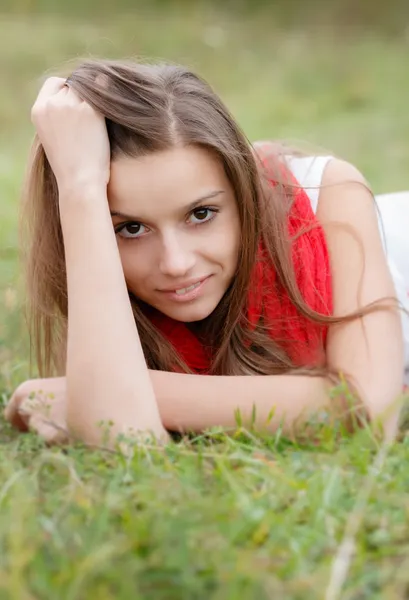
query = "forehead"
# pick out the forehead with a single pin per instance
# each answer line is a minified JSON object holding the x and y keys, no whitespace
{"x":174,"y":177}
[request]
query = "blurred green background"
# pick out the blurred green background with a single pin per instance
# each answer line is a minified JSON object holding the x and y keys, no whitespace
{"x":333,"y":75}
{"x":229,"y":517}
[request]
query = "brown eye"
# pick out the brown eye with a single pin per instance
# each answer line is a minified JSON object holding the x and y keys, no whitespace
{"x":131,"y":230}
{"x":203,"y":214}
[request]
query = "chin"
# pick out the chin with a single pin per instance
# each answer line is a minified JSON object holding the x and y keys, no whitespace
{"x":190,"y":314}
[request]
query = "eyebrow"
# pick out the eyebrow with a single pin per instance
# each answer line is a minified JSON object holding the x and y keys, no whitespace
{"x":189,"y":208}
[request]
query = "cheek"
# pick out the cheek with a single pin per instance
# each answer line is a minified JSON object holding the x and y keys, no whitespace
{"x":229,"y":236}
{"x":235,"y":248}
{"x":136,"y":267}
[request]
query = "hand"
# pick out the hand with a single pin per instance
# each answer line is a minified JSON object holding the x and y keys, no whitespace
{"x":39,"y":405}
{"x":74,"y":137}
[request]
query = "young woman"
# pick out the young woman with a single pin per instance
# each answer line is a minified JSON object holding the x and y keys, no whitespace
{"x":177,"y":275}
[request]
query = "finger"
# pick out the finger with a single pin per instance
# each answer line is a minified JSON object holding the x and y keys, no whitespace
{"x":30,"y":406}
{"x":72,"y":97}
{"x":46,"y":430}
{"x":13,"y":415}
{"x":50,"y":87}
{"x":32,"y":403}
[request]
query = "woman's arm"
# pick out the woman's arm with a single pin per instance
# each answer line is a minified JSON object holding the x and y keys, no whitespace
{"x":192,"y":403}
{"x":107,"y":377}
{"x":370,"y":350}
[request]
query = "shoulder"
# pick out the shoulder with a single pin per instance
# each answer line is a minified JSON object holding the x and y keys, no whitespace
{"x":348,"y":214}
{"x":346,"y":196}
{"x":341,"y":171}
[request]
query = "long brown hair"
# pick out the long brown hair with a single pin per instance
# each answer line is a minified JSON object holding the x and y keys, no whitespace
{"x":149,"y":108}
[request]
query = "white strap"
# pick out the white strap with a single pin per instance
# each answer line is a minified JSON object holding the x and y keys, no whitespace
{"x":308,"y":171}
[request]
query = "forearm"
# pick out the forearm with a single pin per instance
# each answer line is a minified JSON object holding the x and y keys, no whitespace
{"x":107,"y":376}
{"x":194,"y":403}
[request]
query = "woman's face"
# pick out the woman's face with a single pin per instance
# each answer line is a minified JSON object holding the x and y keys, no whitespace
{"x":177,"y":228}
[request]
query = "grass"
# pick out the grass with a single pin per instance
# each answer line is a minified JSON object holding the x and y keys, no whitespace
{"x":217,"y":517}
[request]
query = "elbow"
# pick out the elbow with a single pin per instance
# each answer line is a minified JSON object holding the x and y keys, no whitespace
{"x":384,"y":410}
{"x":96,"y":423}
{"x":377,"y":405}
{"x":80,"y":424}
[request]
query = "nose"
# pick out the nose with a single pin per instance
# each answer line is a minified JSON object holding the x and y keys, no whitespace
{"x":177,"y":259}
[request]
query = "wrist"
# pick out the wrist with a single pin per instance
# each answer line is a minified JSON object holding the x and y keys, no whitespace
{"x":84,"y":193}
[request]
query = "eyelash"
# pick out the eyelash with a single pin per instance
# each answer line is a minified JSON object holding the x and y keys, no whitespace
{"x":211,"y":209}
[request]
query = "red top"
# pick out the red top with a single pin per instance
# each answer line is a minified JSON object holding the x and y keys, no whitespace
{"x":302,"y":339}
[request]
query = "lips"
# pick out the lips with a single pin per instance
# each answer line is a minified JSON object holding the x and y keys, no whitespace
{"x":187,"y":293}
{"x":185,"y":286}
{"x":185,"y":290}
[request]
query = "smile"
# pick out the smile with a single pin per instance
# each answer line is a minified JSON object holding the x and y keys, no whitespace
{"x":187,"y":294}
{"x":182,"y":291}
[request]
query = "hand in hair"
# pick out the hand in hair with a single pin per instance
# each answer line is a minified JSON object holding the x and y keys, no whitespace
{"x":40,"y":405}
{"x":74,"y":137}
